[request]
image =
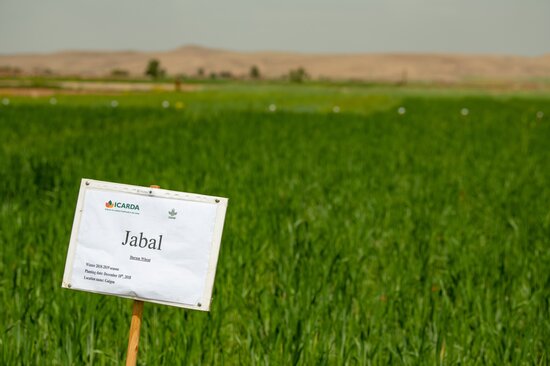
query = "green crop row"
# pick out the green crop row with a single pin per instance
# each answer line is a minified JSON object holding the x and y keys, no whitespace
{"x":357,"y":236}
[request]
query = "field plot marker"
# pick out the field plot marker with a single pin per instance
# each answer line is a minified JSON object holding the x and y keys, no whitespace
{"x":122,"y":233}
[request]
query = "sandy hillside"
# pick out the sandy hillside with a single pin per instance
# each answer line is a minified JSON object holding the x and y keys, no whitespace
{"x":383,"y":67}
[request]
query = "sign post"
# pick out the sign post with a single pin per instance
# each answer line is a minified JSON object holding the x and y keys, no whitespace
{"x":147,"y":244}
{"x":135,"y":327}
{"x":133,"y":340}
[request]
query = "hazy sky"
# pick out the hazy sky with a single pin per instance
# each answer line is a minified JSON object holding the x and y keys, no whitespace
{"x":471,"y":26}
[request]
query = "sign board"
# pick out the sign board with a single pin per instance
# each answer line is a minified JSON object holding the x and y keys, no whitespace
{"x":145,"y":243}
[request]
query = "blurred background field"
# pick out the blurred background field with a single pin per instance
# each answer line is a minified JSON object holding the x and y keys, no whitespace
{"x":366,"y":224}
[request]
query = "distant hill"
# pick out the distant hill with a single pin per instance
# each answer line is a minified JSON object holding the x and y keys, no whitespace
{"x":373,"y":67}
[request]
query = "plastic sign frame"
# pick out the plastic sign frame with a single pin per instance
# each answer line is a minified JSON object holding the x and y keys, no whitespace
{"x":176,"y":264}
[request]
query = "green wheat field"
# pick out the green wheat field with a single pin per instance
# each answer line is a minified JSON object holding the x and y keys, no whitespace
{"x":354,"y":235}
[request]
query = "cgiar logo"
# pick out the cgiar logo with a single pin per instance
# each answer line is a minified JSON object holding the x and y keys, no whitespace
{"x":121,"y":206}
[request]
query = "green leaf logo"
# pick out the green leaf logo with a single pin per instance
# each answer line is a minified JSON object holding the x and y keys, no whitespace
{"x":172,"y":213}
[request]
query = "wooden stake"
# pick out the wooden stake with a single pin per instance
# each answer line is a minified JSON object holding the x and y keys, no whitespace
{"x":135,"y":326}
{"x":133,"y":340}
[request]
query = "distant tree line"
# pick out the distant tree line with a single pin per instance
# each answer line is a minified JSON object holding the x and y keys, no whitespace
{"x":10,"y":71}
{"x":155,"y":71}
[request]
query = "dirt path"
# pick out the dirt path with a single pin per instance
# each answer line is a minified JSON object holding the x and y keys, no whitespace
{"x":89,"y":87}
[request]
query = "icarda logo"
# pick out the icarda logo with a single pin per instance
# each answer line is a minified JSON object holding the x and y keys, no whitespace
{"x":122,"y":207}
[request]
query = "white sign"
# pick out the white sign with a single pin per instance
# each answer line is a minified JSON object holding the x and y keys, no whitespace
{"x":145,"y":243}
